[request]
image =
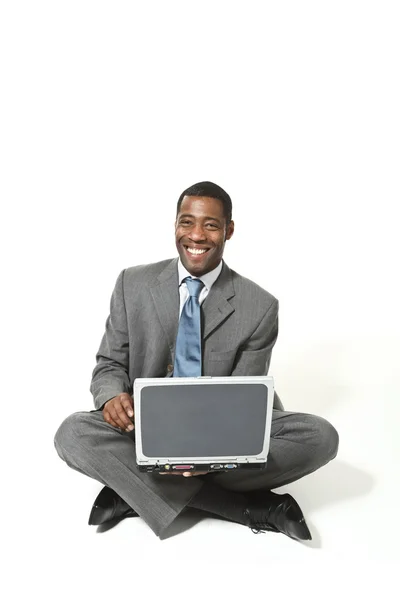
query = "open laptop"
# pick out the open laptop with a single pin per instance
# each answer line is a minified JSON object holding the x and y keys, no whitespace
{"x":202,"y":423}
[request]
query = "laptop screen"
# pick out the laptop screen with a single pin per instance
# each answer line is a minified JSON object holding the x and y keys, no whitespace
{"x":197,"y":421}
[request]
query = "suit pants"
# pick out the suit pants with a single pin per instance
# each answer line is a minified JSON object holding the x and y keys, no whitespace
{"x":300,"y":444}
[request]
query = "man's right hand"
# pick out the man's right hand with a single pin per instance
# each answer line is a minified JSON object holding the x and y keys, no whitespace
{"x":119,"y":412}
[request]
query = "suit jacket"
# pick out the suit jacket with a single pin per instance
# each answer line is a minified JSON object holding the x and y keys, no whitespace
{"x":239,"y":329}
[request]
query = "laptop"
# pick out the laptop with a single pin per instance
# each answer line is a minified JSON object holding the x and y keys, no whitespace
{"x":202,"y":423}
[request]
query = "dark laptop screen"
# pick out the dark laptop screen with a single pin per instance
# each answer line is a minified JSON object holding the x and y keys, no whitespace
{"x":203,"y":420}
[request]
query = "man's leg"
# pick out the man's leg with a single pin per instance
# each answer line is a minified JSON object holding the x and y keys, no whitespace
{"x":300,"y":444}
{"x":91,"y":446}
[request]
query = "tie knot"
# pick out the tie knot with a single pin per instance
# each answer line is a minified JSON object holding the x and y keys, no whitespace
{"x":194,"y":286}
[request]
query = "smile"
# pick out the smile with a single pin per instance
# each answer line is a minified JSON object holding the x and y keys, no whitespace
{"x":196,"y":251}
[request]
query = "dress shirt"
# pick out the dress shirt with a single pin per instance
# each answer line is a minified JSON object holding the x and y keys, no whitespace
{"x":208,"y":279}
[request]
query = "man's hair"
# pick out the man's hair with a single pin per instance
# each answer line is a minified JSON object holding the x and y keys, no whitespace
{"x":209,"y":190}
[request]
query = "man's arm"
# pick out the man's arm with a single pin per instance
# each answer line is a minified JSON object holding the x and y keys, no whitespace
{"x":254,"y":357}
{"x":110,"y":376}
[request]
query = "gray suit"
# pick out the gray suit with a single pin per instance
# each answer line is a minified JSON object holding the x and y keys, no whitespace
{"x":239,"y":320}
{"x":240,"y":327}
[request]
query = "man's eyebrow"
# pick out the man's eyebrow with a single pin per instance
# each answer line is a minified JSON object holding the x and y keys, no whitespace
{"x":205,"y":218}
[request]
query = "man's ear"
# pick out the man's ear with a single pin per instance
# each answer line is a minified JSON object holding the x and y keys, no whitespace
{"x":229,"y":230}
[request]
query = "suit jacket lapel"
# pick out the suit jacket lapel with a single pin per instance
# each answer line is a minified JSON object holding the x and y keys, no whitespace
{"x":165,"y":294}
{"x":216,"y":307}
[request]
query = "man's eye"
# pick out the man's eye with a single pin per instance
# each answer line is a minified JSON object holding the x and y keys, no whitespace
{"x":185,"y":222}
{"x":212,"y":225}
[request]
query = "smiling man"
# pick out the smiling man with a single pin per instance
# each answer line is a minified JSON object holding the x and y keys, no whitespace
{"x":201,"y":230}
{"x":187,"y":317}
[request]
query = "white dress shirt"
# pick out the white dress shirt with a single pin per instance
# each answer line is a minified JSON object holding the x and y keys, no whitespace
{"x":208,"y":279}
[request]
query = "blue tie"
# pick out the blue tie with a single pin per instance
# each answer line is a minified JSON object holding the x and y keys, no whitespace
{"x":188,"y":340}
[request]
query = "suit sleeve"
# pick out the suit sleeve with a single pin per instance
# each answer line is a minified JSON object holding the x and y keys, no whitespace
{"x":254,"y":357}
{"x":111,"y":375}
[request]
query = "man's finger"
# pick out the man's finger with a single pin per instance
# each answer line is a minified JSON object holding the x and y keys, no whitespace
{"x":123,"y":417}
{"x":115,"y":416}
{"x":108,"y":419}
{"x":127,"y":406}
{"x":126,"y":402}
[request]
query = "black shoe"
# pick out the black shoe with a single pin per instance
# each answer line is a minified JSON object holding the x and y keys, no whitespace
{"x":279,"y":513}
{"x":109,"y":506}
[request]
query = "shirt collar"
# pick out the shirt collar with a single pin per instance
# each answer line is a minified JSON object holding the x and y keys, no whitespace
{"x":208,"y":279}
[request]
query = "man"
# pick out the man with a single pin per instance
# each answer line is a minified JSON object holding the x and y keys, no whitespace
{"x":177,"y":318}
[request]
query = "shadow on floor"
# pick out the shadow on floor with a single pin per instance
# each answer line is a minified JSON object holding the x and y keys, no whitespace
{"x":186,"y":520}
{"x":336,"y":482}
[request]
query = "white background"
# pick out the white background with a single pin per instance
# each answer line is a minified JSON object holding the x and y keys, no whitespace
{"x":108,"y":111}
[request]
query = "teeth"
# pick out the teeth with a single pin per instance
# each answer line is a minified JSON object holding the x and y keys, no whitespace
{"x":196,"y":251}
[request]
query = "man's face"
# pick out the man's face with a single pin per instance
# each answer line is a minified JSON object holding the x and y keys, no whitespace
{"x":200,"y":233}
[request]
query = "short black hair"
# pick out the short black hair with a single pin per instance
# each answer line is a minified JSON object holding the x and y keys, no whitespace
{"x":209,"y":190}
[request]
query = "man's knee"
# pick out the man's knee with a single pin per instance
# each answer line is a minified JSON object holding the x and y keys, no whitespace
{"x":329,"y":439}
{"x":68,"y":433}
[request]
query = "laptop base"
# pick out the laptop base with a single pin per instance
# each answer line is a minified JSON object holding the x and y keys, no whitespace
{"x":212,"y":468}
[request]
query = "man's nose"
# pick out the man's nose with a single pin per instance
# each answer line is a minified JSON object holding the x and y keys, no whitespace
{"x":197,"y":233}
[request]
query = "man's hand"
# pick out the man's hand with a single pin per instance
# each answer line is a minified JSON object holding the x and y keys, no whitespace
{"x":119,"y":412}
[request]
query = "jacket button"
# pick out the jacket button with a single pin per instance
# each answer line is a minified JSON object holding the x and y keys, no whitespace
{"x":170,"y":368}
